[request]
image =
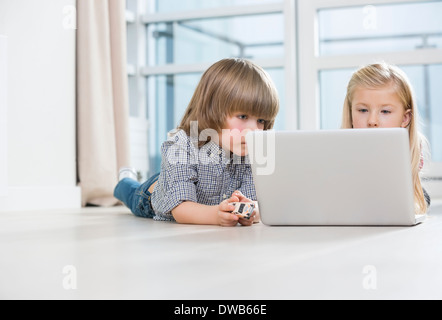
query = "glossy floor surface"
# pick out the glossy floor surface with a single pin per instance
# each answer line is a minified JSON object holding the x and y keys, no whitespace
{"x":98,"y":253}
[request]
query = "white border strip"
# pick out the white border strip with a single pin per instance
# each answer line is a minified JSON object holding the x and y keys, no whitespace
{"x":173,"y":69}
{"x":224,"y":12}
{"x":415,"y":57}
{"x":3,"y":117}
{"x":331,"y":4}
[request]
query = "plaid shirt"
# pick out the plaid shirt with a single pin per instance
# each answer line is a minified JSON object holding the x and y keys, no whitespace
{"x":203,"y":175}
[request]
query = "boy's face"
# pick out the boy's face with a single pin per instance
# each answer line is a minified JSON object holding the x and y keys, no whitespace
{"x":233,"y":136}
{"x":379,"y":108}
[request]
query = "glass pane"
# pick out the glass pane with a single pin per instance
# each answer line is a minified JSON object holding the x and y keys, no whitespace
{"x":132,"y":44}
{"x":166,"y":6}
{"x":199,"y":41}
{"x":333,"y":84}
{"x":380,"y":28}
{"x":133,"y":97}
{"x":131,"y":5}
{"x":426,"y":80}
{"x":278,"y":77}
{"x":166,"y":106}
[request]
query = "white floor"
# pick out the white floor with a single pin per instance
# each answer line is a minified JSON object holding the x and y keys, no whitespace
{"x":109,"y":254}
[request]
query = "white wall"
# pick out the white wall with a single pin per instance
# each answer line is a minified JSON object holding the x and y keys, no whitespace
{"x":41,"y":151}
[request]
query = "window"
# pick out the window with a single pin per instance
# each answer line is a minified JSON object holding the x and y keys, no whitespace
{"x":384,"y":28}
{"x":207,"y":40}
{"x":171,"y":43}
{"x":309,"y":47}
{"x":339,"y":36}
{"x":168,"y":6}
{"x":380,"y":28}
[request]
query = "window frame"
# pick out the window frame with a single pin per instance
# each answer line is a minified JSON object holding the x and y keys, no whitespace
{"x":288,"y":64}
{"x":141,"y":13}
{"x":139,"y":124}
{"x":301,"y":63}
{"x":311,"y":64}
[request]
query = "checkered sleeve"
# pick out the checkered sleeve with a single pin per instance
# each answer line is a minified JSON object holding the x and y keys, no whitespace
{"x":247,"y":183}
{"x":177,"y":180}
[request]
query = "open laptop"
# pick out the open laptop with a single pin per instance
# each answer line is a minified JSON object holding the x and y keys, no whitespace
{"x":355,"y":177}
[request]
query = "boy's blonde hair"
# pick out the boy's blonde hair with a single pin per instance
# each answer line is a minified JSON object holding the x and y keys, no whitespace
{"x":379,"y":75}
{"x":227,"y":87}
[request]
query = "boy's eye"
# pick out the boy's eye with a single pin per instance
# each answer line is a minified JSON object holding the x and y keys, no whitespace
{"x":246,"y":117}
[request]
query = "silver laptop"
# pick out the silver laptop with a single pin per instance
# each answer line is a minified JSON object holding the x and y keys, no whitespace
{"x":333,"y":177}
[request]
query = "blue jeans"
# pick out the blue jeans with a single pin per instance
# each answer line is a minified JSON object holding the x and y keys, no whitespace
{"x":136,"y":196}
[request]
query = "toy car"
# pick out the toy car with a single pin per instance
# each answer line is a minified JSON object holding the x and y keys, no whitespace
{"x":243,"y":209}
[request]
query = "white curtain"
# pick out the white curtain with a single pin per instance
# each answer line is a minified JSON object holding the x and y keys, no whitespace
{"x":102,"y":98}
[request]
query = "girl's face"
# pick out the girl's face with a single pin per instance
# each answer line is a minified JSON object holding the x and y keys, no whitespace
{"x":233,"y":136}
{"x":379,"y":108}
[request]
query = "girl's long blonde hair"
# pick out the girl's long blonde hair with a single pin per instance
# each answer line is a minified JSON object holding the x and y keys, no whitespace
{"x":230,"y":86}
{"x":379,"y":75}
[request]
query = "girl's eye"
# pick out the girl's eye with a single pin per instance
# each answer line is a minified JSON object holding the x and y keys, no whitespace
{"x":386,"y":111}
{"x":362,"y":110}
{"x":242,"y":117}
{"x":262,"y":121}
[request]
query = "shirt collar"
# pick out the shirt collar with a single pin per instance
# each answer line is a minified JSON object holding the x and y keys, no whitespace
{"x":210,"y":153}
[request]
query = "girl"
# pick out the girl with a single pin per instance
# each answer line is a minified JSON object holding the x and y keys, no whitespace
{"x":204,"y":163}
{"x":380,"y":96}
